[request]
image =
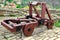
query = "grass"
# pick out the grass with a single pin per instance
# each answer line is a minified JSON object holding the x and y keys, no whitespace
{"x":58,"y":14}
{"x":57,"y":23}
{"x":7,"y":15}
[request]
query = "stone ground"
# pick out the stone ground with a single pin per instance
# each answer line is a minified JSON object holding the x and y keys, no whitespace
{"x":40,"y":33}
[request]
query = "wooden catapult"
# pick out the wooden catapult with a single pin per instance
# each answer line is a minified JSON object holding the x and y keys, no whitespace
{"x":30,"y":22}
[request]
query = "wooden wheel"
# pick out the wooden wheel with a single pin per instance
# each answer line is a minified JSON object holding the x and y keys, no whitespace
{"x":28,"y":29}
{"x":49,"y":25}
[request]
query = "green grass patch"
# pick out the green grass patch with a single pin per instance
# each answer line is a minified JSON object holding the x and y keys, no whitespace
{"x":12,"y":15}
{"x":57,"y":23}
{"x":58,"y":14}
{"x":57,"y":7}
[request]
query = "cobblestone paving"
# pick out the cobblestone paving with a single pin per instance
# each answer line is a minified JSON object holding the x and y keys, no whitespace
{"x":41,"y":33}
{"x":44,"y":34}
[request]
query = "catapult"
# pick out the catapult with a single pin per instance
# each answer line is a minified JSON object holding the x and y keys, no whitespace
{"x":30,"y":22}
